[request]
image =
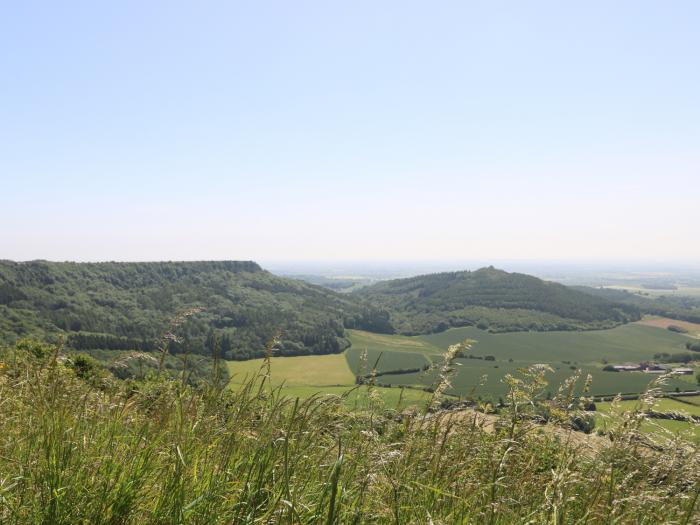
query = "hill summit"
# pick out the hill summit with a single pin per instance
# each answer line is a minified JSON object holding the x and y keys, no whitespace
{"x":491,"y":299}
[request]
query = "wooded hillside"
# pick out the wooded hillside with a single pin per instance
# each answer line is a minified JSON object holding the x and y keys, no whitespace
{"x":119,"y":306}
{"x":491,"y":299}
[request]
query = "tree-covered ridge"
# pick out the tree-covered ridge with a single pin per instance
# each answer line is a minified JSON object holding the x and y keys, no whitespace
{"x":127,"y":306}
{"x":494,"y":299}
{"x":119,"y":305}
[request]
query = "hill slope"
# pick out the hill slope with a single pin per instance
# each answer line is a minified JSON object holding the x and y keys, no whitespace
{"x":494,"y":299}
{"x":130,"y":304}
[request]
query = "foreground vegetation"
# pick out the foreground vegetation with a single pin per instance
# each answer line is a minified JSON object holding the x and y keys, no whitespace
{"x":79,"y":446}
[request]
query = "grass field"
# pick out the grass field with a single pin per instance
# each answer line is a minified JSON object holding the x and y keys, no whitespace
{"x":396,"y":351}
{"x":631,"y":342}
{"x":605,"y":416}
{"x":563,"y":351}
{"x":317,"y":370}
{"x":667,"y":404}
{"x":308,"y":376}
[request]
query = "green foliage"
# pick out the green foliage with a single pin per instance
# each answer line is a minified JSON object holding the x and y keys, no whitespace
{"x":125,"y":306}
{"x":87,"y":368}
{"x":38,"y":350}
{"x":160,"y":451}
{"x":676,"y":357}
{"x":493,"y":299}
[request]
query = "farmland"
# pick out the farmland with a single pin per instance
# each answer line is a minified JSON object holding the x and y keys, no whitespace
{"x":307,"y":376}
{"x":322,"y":370}
{"x":693,"y":329}
{"x":565,"y":352}
{"x":689,"y":406}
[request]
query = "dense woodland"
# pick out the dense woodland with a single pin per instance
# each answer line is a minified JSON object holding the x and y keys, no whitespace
{"x":127,"y":306}
{"x":491,"y":299}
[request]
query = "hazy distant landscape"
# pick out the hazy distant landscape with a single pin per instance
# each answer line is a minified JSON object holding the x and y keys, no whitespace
{"x":400,"y":327}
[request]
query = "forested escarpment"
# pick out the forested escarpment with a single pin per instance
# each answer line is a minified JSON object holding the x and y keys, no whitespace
{"x":492,"y":299}
{"x":127,"y":306}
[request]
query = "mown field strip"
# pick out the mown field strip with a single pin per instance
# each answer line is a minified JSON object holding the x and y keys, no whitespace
{"x":309,"y":370}
{"x":309,"y":376}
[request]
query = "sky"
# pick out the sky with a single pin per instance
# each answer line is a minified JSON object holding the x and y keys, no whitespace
{"x":377,"y":130}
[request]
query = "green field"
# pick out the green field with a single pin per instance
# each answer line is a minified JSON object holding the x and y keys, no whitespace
{"x":630,"y":342}
{"x":563,"y":351}
{"x":307,"y":376}
{"x":318,"y":370}
{"x":691,"y":406}
{"x":396,"y":351}
{"x":606,"y":417}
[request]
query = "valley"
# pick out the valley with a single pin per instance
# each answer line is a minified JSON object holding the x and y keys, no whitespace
{"x":564,"y":352}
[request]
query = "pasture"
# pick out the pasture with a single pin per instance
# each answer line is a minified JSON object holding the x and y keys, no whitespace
{"x":396,"y":352}
{"x":308,"y":370}
{"x":606,"y":416}
{"x":631,"y":342}
{"x":321,"y":375}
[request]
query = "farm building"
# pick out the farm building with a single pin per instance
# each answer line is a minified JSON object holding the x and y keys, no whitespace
{"x":683,"y":371}
{"x":626,"y":368}
{"x":657,"y":369}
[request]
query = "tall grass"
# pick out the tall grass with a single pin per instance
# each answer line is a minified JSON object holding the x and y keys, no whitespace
{"x":79,"y":450}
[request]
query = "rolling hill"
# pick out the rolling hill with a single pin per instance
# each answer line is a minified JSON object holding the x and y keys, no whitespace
{"x":124,"y":306}
{"x":491,"y":299}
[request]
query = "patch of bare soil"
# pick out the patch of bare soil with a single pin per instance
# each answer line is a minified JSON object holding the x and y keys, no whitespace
{"x":664,"y":322}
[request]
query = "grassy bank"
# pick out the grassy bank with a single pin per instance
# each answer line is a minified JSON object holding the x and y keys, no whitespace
{"x":78,"y":446}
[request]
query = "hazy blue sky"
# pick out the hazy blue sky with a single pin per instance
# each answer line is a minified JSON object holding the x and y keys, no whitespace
{"x":354,"y":130}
